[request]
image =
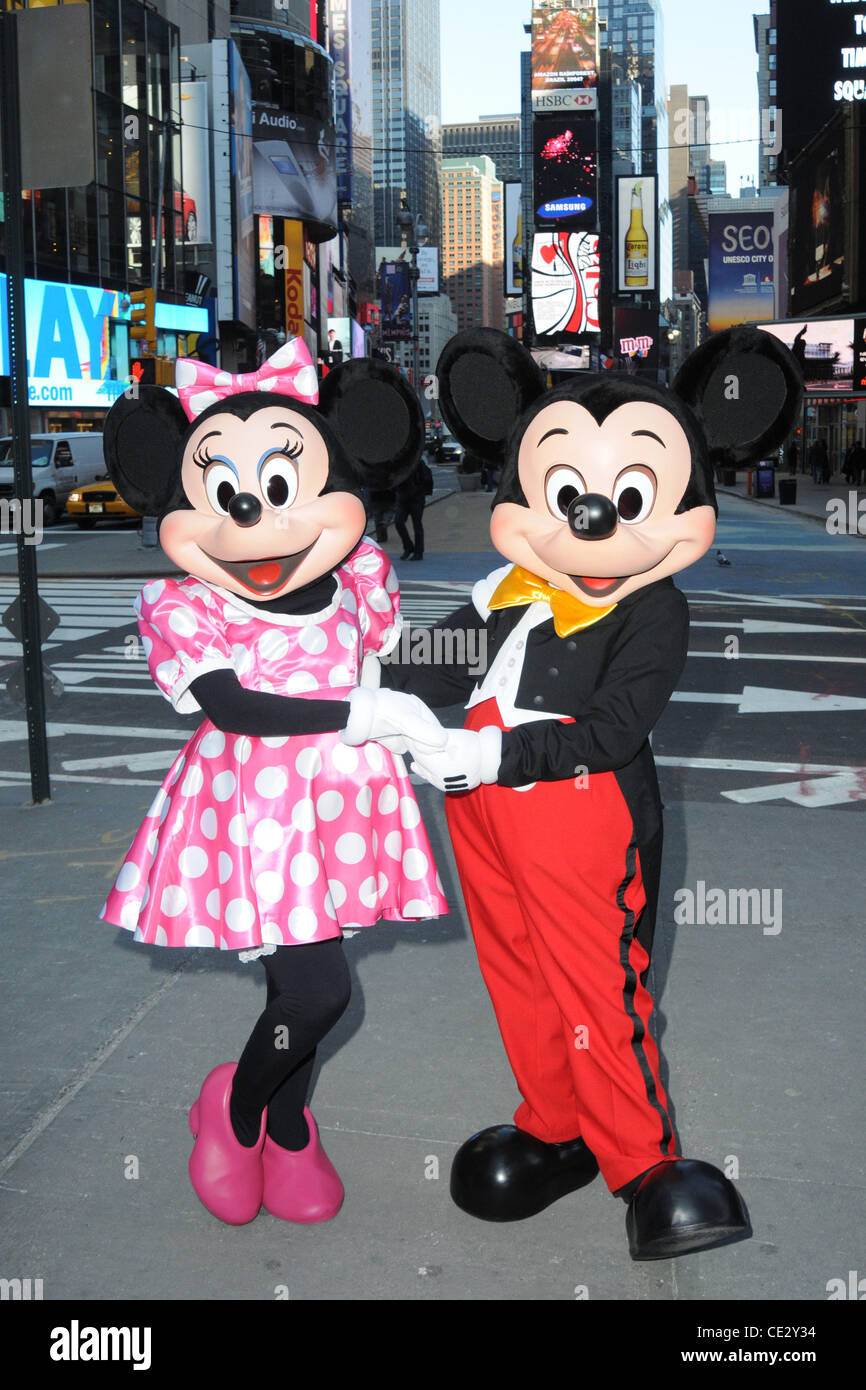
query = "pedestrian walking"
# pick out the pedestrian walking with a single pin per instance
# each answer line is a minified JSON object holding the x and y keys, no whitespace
{"x":819,"y":462}
{"x":270,"y":836}
{"x":793,"y":457}
{"x":857,"y":464}
{"x":411,"y":498}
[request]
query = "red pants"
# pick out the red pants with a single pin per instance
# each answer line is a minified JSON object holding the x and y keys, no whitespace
{"x":554,"y":891}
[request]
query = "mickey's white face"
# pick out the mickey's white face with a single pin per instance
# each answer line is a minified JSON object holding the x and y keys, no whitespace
{"x":632,"y":470}
{"x":259,"y":526}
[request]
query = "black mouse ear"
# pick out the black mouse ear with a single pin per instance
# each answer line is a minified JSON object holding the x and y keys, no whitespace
{"x":377,"y":418}
{"x":486,"y":381}
{"x":141,"y":444}
{"x":746,"y":388}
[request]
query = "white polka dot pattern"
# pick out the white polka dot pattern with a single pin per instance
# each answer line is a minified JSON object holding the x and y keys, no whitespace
{"x":273,"y":841}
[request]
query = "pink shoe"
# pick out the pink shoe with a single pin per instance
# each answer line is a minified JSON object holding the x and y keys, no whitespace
{"x":302,"y":1186}
{"x":227,"y":1177}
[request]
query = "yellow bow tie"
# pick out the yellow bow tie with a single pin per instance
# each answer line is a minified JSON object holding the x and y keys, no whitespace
{"x":569,"y":615}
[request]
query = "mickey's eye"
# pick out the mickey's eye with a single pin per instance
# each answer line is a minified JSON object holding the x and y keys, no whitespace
{"x":634,"y":494}
{"x":221,"y":485}
{"x":561,"y":486}
{"x":278,"y":482}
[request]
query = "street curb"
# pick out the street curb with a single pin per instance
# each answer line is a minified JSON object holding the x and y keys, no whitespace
{"x":777,"y":507}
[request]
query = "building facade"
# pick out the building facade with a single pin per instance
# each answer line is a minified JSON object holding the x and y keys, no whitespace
{"x":407,"y":138}
{"x":496,"y":136}
{"x":472,"y":242}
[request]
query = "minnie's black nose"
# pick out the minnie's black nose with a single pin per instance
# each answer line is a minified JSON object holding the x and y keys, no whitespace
{"x":245,"y":509}
{"x":592,"y":517}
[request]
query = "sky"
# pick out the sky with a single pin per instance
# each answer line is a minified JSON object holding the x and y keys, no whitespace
{"x":711,"y":49}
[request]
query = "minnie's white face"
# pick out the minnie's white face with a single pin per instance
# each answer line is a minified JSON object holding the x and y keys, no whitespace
{"x":259,"y":526}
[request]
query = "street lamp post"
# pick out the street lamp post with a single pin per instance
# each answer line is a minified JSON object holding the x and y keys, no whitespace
{"x":414,"y":231}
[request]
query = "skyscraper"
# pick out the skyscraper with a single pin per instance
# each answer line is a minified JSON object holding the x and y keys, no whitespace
{"x":407,"y":138}
{"x":472,"y":242}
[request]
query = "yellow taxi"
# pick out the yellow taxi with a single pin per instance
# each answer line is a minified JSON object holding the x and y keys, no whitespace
{"x":98,"y":502}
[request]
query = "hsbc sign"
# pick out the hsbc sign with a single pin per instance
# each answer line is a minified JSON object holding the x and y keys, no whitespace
{"x":565,"y":101}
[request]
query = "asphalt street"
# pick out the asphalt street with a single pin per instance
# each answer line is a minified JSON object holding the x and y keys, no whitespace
{"x":759,"y":1012}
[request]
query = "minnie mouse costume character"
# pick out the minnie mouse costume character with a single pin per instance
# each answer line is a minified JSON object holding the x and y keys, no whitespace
{"x":270,"y":834}
{"x":553,"y":805}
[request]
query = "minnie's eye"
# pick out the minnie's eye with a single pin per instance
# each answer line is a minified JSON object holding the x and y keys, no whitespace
{"x":278,"y":482}
{"x":634,"y":494}
{"x":562,"y":487}
{"x":221,"y":485}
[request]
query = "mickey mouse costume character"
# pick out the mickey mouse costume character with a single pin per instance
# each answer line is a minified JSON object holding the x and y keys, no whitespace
{"x":553,"y":805}
{"x":270,"y":834}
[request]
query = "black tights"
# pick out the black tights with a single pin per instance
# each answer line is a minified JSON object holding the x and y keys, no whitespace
{"x":308,"y":990}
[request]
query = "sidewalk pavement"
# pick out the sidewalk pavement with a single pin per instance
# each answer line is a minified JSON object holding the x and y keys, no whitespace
{"x":817,"y":501}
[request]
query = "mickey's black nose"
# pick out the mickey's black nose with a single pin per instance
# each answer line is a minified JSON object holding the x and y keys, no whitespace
{"x":245,"y":509}
{"x":592,"y":517}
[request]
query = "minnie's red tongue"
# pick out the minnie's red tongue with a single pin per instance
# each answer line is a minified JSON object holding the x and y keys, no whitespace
{"x":267,"y":573}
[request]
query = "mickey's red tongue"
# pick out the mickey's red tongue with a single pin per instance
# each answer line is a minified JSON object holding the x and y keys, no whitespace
{"x":597,"y":583}
{"x":267,"y":573}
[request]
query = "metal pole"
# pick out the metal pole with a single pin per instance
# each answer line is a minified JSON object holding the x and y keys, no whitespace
{"x":34,"y":690}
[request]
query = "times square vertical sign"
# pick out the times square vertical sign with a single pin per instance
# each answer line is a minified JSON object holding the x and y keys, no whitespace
{"x":339,"y":12}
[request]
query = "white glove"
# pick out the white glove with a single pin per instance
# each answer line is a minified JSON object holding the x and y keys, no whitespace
{"x":392,"y":718}
{"x":469,"y":758}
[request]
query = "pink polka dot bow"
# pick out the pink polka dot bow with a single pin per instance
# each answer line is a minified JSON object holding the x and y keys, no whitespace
{"x":290,"y":372}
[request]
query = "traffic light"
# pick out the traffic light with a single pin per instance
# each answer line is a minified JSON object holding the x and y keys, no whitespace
{"x":142,"y":317}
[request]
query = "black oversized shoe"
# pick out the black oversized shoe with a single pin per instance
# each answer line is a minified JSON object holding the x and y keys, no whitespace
{"x":505,"y":1174}
{"x":683,"y":1206}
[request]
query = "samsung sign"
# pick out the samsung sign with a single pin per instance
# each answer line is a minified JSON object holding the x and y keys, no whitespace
{"x":68,"y":348}
{"x":565,"y":207}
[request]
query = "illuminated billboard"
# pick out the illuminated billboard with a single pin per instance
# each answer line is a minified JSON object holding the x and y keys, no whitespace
{"x":637,"y":336}
{"x":295,"y":169}
{"x":565,"y":273}
{"x":821,"y":64}
{"x":817,"y":222}
{"x":395,"y":300}
{"x":68,"y":330}
{"x":565,"y":169}
{"x":830,"y":352}
{"x":513,"y":239}
{"x":564,"y":57}
{"x":741,"y":268}
{"x":636,"y":234}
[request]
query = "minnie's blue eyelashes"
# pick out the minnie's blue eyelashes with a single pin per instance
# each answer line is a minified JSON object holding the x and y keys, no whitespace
{"x":202,"y":458}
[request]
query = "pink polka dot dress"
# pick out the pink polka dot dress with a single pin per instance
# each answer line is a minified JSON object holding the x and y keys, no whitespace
{"x":263,"y":842}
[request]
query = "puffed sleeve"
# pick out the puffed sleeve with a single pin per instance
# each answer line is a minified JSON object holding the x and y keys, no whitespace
{"x":183,"y":638}
{"x":370,"y":575}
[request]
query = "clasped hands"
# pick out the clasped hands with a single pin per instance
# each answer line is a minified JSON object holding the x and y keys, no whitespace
{"x":451,"y":759}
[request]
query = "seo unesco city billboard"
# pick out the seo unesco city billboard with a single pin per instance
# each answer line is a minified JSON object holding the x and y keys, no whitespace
{"x":741,"y":270}
{"x":564,"y":57}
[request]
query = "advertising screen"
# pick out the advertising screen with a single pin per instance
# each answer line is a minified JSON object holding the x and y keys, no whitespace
{"x":565,"y":272}
{"x":636,"y":234}
{"x":830,"y":352}
{"x":339,"y":28}
{"x":396,"y":301}
{"x":428,"y":269}
{"x":244,"y":251}
{"x":817,"y":223}
{"x":564,"y":57}
{"x":513,"y":239}
{"x":294,"y":169}
{"x":637,"y":336}
{"x":565,"y":171}
{"x":193,"y":200}
{"x":741,"y":278}
{"x":69,"y":340}
{"x":821,"y":64}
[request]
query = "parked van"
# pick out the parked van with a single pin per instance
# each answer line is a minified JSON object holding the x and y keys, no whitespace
{"x":60,"y":462}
